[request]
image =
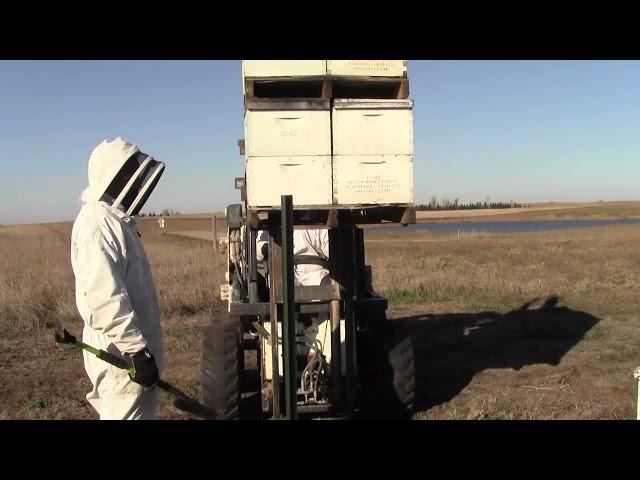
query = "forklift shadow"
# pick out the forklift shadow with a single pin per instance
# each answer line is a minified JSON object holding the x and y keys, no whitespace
{"x":450,"y":349}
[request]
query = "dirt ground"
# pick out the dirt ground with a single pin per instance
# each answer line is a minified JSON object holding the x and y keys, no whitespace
{"x":540,"y":362}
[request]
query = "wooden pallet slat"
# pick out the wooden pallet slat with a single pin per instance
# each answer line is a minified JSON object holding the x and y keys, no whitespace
{"x":327,"y":87}
{"x":336,"y":215}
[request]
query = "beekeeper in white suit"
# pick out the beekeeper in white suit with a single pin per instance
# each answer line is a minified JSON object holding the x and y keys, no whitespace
{"x":115,"y":292}
{"x":311,"y":268}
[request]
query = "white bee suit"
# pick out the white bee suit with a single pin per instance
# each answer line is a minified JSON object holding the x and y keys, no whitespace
{"x":312,"y":243}
{"x":114,"y":289}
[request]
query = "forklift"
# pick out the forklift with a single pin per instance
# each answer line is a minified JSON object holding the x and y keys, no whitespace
{"x":300,"y":116}
{"x":364,"y":370}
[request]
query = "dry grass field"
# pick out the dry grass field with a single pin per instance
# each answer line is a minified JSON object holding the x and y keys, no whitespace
{"x":536,"y":325}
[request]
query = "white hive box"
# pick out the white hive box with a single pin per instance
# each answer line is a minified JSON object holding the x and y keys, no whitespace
{"x":372,"y":127}
{"x":307,"y":178}
{"x":367,"y":68}
{"x":372,"y":179}
{"x":283,"y":68}
{"x":287,"y":127}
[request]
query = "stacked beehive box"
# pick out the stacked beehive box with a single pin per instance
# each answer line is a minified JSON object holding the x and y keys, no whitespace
{"x":332,"y":133}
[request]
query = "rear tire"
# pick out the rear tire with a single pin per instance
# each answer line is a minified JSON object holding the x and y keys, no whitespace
{"x":221,"y":367}
{"x":399,"y":355}
{"x":387,"y":371}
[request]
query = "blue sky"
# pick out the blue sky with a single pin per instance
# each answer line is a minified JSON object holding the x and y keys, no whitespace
{"x":512,"y":130}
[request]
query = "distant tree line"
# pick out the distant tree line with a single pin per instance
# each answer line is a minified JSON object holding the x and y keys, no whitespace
{"x":447,"y":204}
{"x":167,"y":212}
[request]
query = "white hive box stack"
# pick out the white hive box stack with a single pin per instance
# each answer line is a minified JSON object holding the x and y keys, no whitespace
{"x":288,"y":151}
{"x":331,"y":133}
{"x":372,"y":151}
{"x":287,"y":140}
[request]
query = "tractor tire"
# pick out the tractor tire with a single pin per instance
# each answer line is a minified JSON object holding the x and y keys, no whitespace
{"x":387,"y":372}
{"x":399,"y":355}
{"x":221,"y":367}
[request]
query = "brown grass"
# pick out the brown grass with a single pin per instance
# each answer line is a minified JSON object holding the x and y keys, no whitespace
{"x":592,"y":270}
{"x":36,"y":279}
{"x":35,"y":276}
{"x":596,"y":269}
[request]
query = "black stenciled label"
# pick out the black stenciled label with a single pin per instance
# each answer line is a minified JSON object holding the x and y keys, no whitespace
{"x":374,"y":184}
{"x":369,"y":65}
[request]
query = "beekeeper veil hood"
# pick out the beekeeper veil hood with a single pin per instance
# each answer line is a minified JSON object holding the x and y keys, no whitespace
{"x":122,"y":175}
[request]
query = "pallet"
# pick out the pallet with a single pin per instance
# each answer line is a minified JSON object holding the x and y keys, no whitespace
{"x":335,"y":216}
{"x":327,"y":87}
